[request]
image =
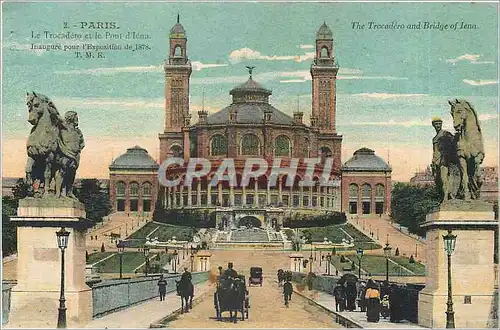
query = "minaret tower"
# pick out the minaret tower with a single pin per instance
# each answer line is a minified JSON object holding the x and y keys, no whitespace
{"x":324,"y":97}
{"x":177,"y":118}
{"x":324,"y":78}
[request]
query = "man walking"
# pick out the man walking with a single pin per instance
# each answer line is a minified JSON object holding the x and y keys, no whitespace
{"x":162,"y":287}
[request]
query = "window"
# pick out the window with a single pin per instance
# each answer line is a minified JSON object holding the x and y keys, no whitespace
{"x":353,"y":191}
{"x":120,"y":188}
{"x":324,"y":52}
{"x":353,"y":207}
{"x":295,"y":200}
{"x":213,"y":199}
{"x":315,"y":201}
{"x":237,"y":199}
{"x":178,"y":51}
{"x":282,"y":146}
{"x":274,"y":200}
{"x":367,"y":191}
{"x":194,"y":199}
{"x":379,"y":207}
{"x":262,"y":200}
{"x":146,"y":189}
{"x":379,"y":190}
{"x":134,"y":189}
{"x":146,"y":205}
{"x":218,"y":145}
{"x":305,"y":201}
{"x":249,"y":199}
{"x":134,"y":205}
{"x":176,"y":151}
{"x":366,"y":207}
{"x":285,"y":199}
{"x":250,"y":145}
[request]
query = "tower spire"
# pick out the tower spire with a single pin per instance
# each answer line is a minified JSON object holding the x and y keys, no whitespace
{"x":203,"y":101}
{"x":178,"y":18}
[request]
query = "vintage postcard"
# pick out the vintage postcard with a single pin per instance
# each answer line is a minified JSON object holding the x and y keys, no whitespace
{"x":250,"y":164}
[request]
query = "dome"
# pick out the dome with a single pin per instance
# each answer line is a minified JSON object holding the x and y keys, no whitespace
{"x":324,"y":32}
{"x":250,"y":113}
{"x":178,"y":31}
{"x":365,"y":160}
{"x":250,"y":86}
{"x":134,"y":158}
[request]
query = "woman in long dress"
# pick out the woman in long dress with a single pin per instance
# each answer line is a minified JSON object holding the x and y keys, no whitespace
{"x":373,"y":301}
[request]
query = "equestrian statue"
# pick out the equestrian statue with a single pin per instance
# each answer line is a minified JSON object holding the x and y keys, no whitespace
{"x":457,"y":158}
{"x":53,"y":147}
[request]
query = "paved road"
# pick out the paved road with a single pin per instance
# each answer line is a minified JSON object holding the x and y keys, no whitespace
{"x":266,"y":311}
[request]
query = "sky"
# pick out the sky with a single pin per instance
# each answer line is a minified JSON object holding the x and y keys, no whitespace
{"x":390,"y":84}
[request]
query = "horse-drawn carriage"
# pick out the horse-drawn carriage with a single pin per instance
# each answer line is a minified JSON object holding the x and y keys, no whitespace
{"x":231,"y":296}
{"x":255,"y":276}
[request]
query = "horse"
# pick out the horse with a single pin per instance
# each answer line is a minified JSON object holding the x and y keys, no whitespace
{"x":42,"y":143}
{"x":185,"y":289}
{"x":231,"y":296}
{"x":470,"y":148}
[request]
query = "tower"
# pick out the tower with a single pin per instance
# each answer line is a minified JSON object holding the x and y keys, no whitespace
{"x":174,"y":141}
{"x":324,"y":77}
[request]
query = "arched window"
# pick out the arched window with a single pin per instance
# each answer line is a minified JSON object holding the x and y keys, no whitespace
{"x":134,"y":189}
{"x":250,"y":145}
{"x":120,"y":188}
{"x":146,"y":189}
{"x":176,"y":150}
{"x":178,"y":51}
{"x":325,"y":152}
{"x":218,"y":145}
{"x":353,"y":190}
{"x":282,"y":146}
{"x":379,"y":190}
{"x":324,"y":52}
{"x":367,"y":190}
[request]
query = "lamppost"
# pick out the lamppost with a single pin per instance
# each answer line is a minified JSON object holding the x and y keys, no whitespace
{"x":146,"y":253}
{"x":359,"y":253}
{"x":387,"y":254}
{"x":62,"y":242}
{"x":120,"y":248}
{"x":328,"y":259}
{"x":449,"y":245}
{"x":191,"y":257}
{"x":311,"y":263}
{"x":183,"y":251}
{"x":175,"y":261}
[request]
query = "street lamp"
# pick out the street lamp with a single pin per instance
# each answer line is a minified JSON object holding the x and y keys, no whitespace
{"x":387,"y":254}
{"x":146,"y":253}
{"x":328,"y":259}
{"x":121,"y":248}
{"x":311,"y":263}
{"x":175,"y":261}
{"x":62,"y":242}
{"x":183,"y":251}
{"x":192,"y":261}
{"x":449,"y":246}
{"x":359,"y":253}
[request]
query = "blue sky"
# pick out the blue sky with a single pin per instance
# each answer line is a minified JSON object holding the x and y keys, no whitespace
{"x":391,"y":82}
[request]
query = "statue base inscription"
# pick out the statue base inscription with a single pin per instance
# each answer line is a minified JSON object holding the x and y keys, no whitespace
{"x":35,"y":298}
{"x":472,"y":267}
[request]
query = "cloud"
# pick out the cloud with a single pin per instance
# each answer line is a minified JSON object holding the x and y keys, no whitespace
{"x":198,"y":66}
{"x":119,"y":103}
{"x":472,"y":58}
{"x":385,"y":96}
{"x":480,"y":82}
{"x":306,"y":46}
{"x":246,"y":53}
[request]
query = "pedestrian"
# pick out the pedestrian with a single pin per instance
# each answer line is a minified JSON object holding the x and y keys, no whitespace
{"x":350,"y":294}
{"x":361,"y":296}
{"x":287,"y":291}
{"x":339,"y":295}
{"x":162,"y":287}
{"x":373,"y":303}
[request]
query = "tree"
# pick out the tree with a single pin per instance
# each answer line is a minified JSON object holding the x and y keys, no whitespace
{"x":410,"y":205}
{"x":9,"y":234}
{"x":96,"y":201}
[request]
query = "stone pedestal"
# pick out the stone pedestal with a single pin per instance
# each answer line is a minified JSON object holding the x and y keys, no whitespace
{"x":202,"y":263}
{"x":296,"y":262}
{"x":472,"y":266}
{"x":35,"y":298}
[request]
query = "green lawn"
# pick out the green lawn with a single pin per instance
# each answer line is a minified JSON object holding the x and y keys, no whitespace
{"x":131,"y":260}
{"x":376,"y":265}
{"x":164,"y":232}
{"x":95,"y":257}
{"x":416,"y":267}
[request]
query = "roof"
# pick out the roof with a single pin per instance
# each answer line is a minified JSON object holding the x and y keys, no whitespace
{"x":324,"y":32}
{"x":250,"y":113}
{"x":365,"y":160}
{"x":250,"y":86}
{"x":134,"y":158}
{"x":177,"y":30}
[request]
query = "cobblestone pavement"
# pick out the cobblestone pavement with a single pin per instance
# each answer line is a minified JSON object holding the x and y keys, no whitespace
{"x":266,"y":311}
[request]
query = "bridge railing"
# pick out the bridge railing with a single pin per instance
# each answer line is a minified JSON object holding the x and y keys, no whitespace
{"x":110,"y":296}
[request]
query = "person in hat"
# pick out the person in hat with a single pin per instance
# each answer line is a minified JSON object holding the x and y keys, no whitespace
{"x":230,"y":272}
{"x":373,"y":304}
{"x":162,"y":287}
{"x":186,"y":276}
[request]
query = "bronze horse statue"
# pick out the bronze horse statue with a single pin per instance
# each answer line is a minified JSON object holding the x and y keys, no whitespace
{"x":53,"y":148}
{"x":470,"y":148}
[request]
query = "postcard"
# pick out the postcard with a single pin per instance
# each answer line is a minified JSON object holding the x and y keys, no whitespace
{"x":250,"y":164}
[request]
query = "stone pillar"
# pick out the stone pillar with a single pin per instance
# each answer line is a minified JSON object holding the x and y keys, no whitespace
{"x":301,"y":197}
{"x":296,"y":262}
{"x":231,"y":195}
{"x":169,"y":196}
{"x":256,"y":193}
{"x":310,"y":196}
{"x":190,"y":198}
{"x":219,"y":193}
{"x":268,"y":193}
{"x":174,"y":196}
{"x":181,"y":195}
{"x":203,"y":261}
{"x":244,"y":196}
{"x":280,"y":197}
{"x":471,"y":262}
{"x":164,"y":197}
{"x":209,"y":193}
{"x":35,"y":298}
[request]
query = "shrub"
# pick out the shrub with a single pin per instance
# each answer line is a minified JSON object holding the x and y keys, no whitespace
{"x":323,"y":220}
{"x":412,"y":260}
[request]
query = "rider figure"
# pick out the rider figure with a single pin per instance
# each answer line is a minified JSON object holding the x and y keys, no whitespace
{"x":186,"y":276}
{"x":230,"y":272}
